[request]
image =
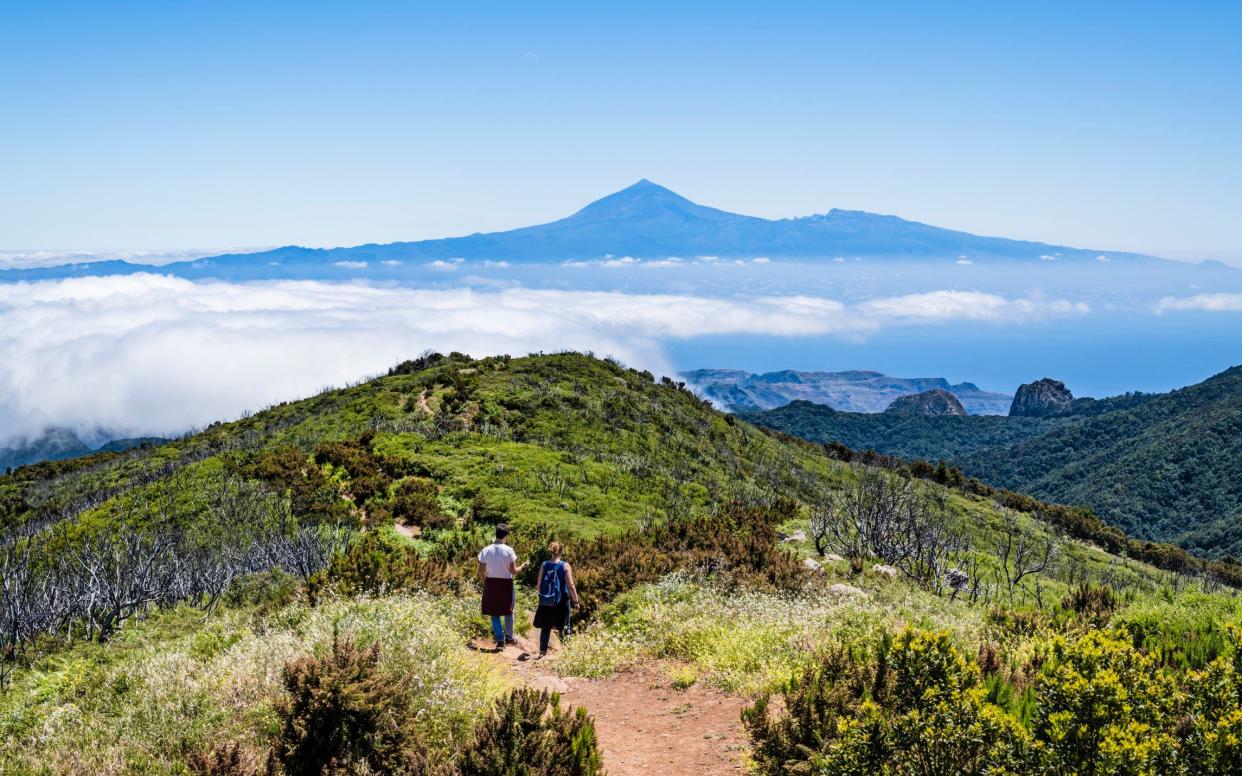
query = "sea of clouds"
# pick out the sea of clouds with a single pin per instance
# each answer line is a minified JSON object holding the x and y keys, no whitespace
{"x":153,"y":354}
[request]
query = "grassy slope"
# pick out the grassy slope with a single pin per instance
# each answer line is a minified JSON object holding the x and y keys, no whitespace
{"x":564,"y":441}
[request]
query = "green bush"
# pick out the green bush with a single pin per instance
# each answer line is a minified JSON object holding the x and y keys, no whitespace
{"x":415,"y":501}
{"x":1093,"y":603}
{"x":367,"y":478}
{"x":738,"y":544}
{"x":312,"y":496}
{"x":916,"y":706}
{"x":377,"y":563}
{"x":1099,"y":706}
{"x":340,"y":712}
{"x":528,"y":734}
{"x":814,"y":703}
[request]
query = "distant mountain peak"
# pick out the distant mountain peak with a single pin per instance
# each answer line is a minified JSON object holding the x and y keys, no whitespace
{"x":643,"y":201}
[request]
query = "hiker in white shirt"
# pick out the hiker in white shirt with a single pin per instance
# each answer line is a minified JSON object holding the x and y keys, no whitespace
{"x":497,"y":567}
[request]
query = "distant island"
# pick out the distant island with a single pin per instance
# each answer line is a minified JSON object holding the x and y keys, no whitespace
{"x":849,"y":391}
{"x":642,"y":221}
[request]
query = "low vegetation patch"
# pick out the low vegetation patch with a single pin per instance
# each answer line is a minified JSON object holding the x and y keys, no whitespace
{"x":164,"y":694}
{"x":917,"y":704}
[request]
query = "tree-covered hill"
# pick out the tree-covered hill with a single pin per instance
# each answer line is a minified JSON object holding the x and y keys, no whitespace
{"x":293,"y":592}
{"x":1165,"y":468}
{"x":1159,"y":466}
{"x":905,"y":436}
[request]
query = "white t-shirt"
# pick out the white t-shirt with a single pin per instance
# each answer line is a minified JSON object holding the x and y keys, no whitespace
{"x":497,"y":558}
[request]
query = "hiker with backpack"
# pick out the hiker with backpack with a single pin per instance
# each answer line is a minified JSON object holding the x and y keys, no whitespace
{"x":556,"y":593}
{"x":497,"y":567}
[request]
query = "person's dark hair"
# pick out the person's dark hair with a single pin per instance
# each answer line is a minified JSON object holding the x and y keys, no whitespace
{"x":502,"y":530}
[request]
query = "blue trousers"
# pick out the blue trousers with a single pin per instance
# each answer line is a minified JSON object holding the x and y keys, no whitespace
{"x":502,"y":627}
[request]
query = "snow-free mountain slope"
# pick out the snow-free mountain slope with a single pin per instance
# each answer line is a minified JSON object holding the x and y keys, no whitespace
{"x":644,"y":221}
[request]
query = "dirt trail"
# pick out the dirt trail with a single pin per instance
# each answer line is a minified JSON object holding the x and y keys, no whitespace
{"x":644,"y":724}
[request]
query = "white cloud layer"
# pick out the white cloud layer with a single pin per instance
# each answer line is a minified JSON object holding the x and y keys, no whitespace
{"x":1214,"y":303}
{"x":152,"y":354}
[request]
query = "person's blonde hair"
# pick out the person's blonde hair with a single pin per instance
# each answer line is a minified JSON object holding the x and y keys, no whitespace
{"x":554,"y":548}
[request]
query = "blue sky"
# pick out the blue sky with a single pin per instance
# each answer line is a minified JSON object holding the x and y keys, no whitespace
{"x":212,"y":125}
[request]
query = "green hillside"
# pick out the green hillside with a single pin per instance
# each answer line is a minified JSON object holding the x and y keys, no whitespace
{"x":1163,"y":469}
{"x":294,"y":592}
{"x":905,"y":436}
{"x":1161,"y":466}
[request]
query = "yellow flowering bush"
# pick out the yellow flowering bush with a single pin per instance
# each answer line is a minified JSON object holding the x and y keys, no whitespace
{"x":917,"y":705}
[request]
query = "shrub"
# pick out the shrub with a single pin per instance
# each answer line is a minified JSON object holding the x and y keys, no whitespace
{"x":1105,"y":707}
{"x":367,"y":478}
{"x":916,"y":706}
{"x":311,"y":496}
{"x":426,"y":360}
{"x":415,"y":501}
{"x":340,"y":711}
{"x":484,"y":511}
{"x":377,"y":563}
{"x":227,"y":758}
{"x":1095,"y":603}
{"x":739,"y":544}
{"x":528,"y":733}
{"x":813,"y":702}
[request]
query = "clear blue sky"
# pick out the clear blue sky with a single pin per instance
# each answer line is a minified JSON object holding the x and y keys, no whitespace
{"x":214,"y":124}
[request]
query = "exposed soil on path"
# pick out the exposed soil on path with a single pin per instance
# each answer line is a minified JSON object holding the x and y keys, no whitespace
{"x":644,"y":724}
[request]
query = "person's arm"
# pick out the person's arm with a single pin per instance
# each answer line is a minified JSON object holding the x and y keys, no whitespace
{"x":514,"y":567}
{"x":539,"y":582}
{"x":569,"y":580}
{"x":482,"y":572}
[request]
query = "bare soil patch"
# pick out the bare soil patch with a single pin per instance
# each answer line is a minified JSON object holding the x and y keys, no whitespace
{"x":646,"y":726}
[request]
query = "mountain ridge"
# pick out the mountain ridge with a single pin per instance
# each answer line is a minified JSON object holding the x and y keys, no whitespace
{"x":60,"y":444}
{"x":643,"y":220}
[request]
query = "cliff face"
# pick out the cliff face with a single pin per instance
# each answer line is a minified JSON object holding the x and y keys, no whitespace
{"x":934,"y":402}
{"x":1040,"y":399}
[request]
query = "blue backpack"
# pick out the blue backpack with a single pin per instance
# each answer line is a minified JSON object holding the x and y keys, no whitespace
{"x":552,"y":586}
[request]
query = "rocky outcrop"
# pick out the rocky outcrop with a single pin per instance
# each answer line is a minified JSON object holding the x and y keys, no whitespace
{"x":847,"y":590}
{"x":1040,"y":399}
{"x":934,"y":402}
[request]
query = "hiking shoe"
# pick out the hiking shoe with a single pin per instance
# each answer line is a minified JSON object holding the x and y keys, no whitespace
{"x":500,"y":646}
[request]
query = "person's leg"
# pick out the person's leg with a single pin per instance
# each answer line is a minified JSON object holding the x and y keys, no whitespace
{"x":498,"y":630}
{"x":509,"y":618}
{"x":545,"y":636}
{"x":569,"y":616}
